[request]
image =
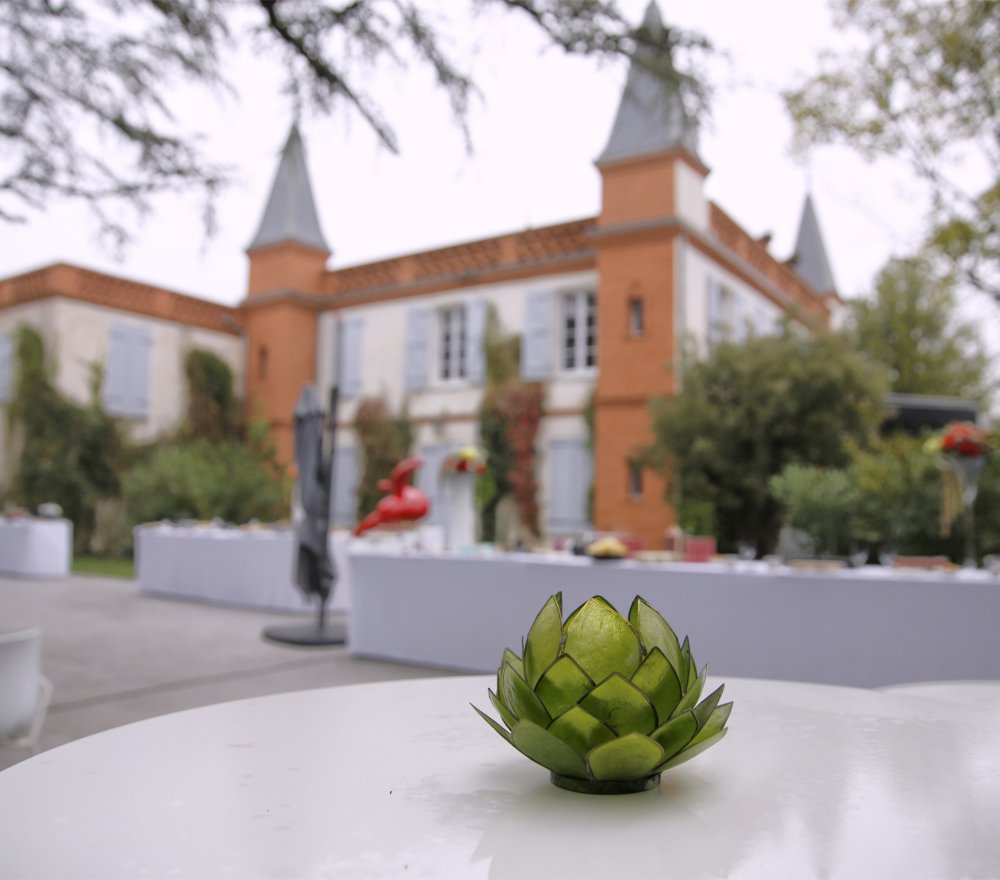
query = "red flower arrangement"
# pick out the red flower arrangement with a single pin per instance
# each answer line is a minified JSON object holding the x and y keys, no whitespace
{"x":965,"y":440}
{"x":466,"y":460}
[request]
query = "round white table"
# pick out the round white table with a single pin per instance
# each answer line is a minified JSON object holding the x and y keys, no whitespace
{"x":402,"y":779}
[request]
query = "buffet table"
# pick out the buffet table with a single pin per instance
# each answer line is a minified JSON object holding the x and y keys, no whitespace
{"x":35,"y":546}
{"x":862,"y":627}
{"x":403,"y":779}
{"x":252,"y":568}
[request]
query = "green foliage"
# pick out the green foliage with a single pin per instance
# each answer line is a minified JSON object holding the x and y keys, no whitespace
{"x":751,"y":409}
{"x":822,"y":502}
{"x":70,"y":454}
{"x":911,"y":328}
{"x":212,"y":412}
{"x":203,"y":480}
{"x":889,"y":495}
{"x":920,"y":83}
{"x":385,"y":440}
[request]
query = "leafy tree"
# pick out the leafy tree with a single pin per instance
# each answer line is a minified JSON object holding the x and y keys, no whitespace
{"x":212,"y":411}
{"x":203,"y":480}
{"x":71,"y":454}
{"x":922,"y":84}
{"x":822,"y":502}
{"x":910,"y":327}
{"x":749,"y":410}
{"x":79,"y":78}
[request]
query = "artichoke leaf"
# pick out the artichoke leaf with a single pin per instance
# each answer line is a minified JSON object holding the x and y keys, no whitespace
{"x":544,"y":638}
{"x":602,"y":641}
{"x":655,"y":632}
{"x":548,"y":750}
{"x":694,"y":750}
{"x":715,"y":723}
{"x":519,"y":698}
{"x":493,"y":724}
{"x":690,"y":698}
{"x":581,"y":730}
{"x":687,"y":664}
{"x":510,"y":657}
{"x":707,"y":706}
{"x":676,"y":734}
{"x":562,"y":685}
{"x":629,"y":757}
{"x":502,"y":710}
{"x":657,"y":679}
{"x":621,"y":705}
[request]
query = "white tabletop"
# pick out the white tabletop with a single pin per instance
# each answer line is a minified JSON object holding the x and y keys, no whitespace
{"x":402,"y":779}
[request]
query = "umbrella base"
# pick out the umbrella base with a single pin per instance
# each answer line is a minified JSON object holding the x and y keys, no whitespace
{"x":309,"y":635}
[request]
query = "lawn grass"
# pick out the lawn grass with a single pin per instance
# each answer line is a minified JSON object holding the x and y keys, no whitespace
{"x":118,"y":568}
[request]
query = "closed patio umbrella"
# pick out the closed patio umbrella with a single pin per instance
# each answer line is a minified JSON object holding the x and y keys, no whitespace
{"x":315,"y":574}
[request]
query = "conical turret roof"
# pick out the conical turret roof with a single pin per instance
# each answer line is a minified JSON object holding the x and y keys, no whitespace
{"x":651,"y":115}
{"x":290,"y":213}
{"x":810,"y":259}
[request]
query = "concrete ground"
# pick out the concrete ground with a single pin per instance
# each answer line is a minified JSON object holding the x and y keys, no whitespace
{"x":115,"y":656}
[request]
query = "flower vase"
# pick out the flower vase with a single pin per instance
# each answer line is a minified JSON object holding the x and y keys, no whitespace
{"x":459,"y":497}
{"x":968,"y":471}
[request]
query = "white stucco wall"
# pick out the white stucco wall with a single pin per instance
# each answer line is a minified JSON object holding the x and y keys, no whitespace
{"x":76,"y":334}
{"x":696,"y":271}
{"x":689,"y":188}
{"x":446,"y":412}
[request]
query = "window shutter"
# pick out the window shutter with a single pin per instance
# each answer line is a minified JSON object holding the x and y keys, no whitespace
{"x":715,"y":316}
{"x":116,"y":371}
{"x":6,"y":366}
{"x":429,"y":479}
{"x":740,"y":318}
{"x":570,"y":475}
{"x":349,"y":355}
{"x":418,"y":328}
{"x":536,"y":348}
{"x":345,"y":487}
{"x":475,"y":323}
{"x":141,"y":348}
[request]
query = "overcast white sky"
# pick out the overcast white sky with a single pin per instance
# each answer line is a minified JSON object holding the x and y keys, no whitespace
{"x":543,"y":119}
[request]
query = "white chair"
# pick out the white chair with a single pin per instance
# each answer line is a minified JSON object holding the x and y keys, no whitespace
{"x":24,"y":692}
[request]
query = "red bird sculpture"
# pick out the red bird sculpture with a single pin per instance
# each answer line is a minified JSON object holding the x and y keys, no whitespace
{"x":403,"y":503}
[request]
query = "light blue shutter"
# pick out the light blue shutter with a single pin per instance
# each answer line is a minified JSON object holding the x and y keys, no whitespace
{"x":418,"y":331}
{"x":140,"y":354}
{"x":6,"y":366}
{"x":570,"y":475}
{"x":349,"y":355}
{"x":714,"y":331}
{"x":475,"y":323}
{"x":116,"y":392}
{"x":740,"y":318}
{"x":429,"y":479}
{"x":345,"y":487}
{"x":536,"y":349}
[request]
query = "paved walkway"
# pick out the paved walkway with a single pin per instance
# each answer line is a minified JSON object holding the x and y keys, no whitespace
{"x":115,"y":656}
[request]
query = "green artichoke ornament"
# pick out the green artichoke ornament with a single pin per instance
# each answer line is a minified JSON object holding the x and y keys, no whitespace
{"x":603,"y":702}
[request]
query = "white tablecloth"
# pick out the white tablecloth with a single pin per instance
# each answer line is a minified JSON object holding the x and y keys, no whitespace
{"x":865,"y":627}
{"x":402,"y":779}
{"x":36,"y":547}
{"x":249,"y":568}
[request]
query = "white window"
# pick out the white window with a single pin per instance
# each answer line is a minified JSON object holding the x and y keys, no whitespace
{"x":720,"y":307}
{"x":636,"y":318}
{"x":452,"y":343}
{"x":579,"y":330}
